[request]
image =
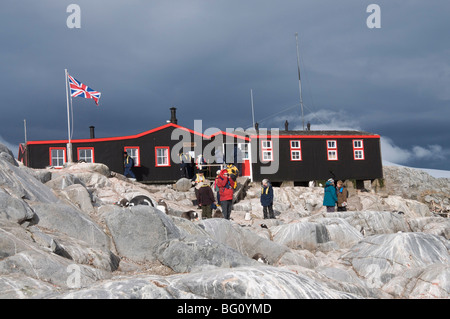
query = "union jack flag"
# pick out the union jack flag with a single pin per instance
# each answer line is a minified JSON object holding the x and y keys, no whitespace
{"x":79,"y":89}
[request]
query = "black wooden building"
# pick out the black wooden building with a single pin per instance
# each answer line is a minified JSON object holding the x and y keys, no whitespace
{"x":279,"y":155}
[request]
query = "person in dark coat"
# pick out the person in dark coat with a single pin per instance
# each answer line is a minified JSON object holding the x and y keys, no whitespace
{"x":329,"y":196}
{"x":128,"y":163}
{"x":205,"y":199}
{"x":267,"y":199}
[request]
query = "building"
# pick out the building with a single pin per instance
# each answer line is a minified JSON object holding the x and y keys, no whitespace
{"x":279,"y":155}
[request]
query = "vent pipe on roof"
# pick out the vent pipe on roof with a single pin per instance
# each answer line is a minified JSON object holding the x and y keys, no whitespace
{"x":173,"y":115}
{"x":286,"y":126}
{"x":92,"y":129}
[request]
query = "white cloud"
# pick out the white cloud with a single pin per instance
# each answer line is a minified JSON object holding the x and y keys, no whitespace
{"x":432,"y":151}
{"x":321,"y":120}
{"x":395,"y":154}
{"x":392,"y":153}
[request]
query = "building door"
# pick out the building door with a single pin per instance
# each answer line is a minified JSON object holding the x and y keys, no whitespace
{"x":240,"y":154}
{"x":246,"y":163}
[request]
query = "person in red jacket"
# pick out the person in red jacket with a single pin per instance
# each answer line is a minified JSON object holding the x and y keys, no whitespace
{"x":226,"y":190}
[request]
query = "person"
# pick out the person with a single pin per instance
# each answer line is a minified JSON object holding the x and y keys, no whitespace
{"x":226,"y":190}
{"x":267,"y":199}
{"x":185,"y":160}
{"x":205,"y":199}
{"x":342,"y":195}
{"x":233,"y":173}
{"x":216,"y":187}
{"x":219,"y":157}
{"x":198,"y":178}
{"x":197,"y":181}
{"x":329,"y":197}
{"x":128,"y":163}
{"x":200,"y":162}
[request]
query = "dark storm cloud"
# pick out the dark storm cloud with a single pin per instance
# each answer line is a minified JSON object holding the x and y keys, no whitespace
{"x":204,"y":56}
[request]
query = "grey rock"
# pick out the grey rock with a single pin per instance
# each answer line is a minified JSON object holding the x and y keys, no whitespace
{"x":125,"y":288}
{"x":13,"y":239}
{"x":79,"y":196}
{"x":62,"y":181}
{"x":317,"y":235}
{"x":71,"y":221}
{"x":17,"y":286}
{"x":51,"y":268}
{"x":243,"y":240}
{"x":374,"y":222}
{"x":16,"y":181}
{"x":432,"y":281}
{"x":415,"y":184}
{"x":14,"y":209}
{"x":431,"y":225}
{"x":380,"y":258}
{"x":138,"y":231}
{"x":183,"y":185}
{"x":7,"y":156}
{"x":193,"y":252}
{"x":263,"y":282}
{"x":77,"y":250}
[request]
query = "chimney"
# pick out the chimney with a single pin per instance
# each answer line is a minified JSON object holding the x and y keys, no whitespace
{"x":173,"y":115}
{"x":286,"y":125}
{"x":92,"y":128}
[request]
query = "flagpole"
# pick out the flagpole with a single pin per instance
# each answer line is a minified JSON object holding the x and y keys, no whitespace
{"x":69,"y":145}
{"x":299,"y":81}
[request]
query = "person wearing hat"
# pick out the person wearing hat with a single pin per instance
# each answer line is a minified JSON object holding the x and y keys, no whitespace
{"x":329,"y":196}
{"x":205,"y":199}
{"x":226,"y":191}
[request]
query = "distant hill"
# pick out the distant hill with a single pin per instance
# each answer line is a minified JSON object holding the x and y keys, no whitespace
{"x":437,"y":173}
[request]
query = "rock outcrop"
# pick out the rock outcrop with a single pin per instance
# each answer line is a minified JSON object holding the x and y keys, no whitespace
{"x":61,"y":236}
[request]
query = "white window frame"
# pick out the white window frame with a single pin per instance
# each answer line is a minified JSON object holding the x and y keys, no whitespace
{"x":296,"y":150}
{"x":332,"y":152}
{"x":165,"y":156}
{"x":87,"y":159}
{"x":266,"y":151}
{"x":58,"y":157}
{"x":135,"y":154}
{"x":245,"y":150}
{"x":358,"y":150}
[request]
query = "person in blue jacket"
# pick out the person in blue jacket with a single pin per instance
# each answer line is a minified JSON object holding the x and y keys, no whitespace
{"x":330,"y":197}
{"x":267,"y":199}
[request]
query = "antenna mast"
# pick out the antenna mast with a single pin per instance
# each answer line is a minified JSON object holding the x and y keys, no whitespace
{"x":253,"y":111}
{"x":299,"y":81}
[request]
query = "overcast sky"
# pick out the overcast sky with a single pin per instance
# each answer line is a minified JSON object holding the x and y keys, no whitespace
{"x":204,"y":56}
